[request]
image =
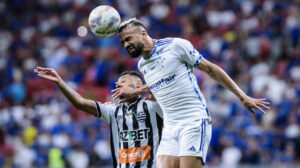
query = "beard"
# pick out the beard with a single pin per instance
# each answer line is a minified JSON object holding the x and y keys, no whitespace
{"x":138,"y":49}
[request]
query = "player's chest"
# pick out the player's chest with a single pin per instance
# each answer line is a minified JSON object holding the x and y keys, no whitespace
{"x":163,"y":62}
{"x":131,"y":115}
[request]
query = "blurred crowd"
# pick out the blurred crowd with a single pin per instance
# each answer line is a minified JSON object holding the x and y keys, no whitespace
{"x":257,"y":42}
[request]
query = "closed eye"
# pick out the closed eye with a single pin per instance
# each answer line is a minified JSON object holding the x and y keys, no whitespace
{"x":126,"y":40}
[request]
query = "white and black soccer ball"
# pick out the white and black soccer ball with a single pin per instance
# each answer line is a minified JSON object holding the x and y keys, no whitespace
{"x":104,"y":21}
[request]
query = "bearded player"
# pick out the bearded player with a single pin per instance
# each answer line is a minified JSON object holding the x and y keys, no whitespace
{"x":168,"y":68}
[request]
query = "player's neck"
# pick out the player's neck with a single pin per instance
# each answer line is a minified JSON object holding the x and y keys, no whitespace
{"x":131,"y":101}
{"x":148,"y":47}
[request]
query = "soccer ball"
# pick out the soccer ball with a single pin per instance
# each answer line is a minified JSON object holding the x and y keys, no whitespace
{"x":104,"y":21}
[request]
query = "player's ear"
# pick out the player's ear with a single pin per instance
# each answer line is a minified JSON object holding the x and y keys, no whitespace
{"x":139,"y":83}
{"x":144,"y":33}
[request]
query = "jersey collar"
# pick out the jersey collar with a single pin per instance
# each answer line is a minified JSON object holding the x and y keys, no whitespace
{"x":129,"y":106}
{"x":153,"y":51}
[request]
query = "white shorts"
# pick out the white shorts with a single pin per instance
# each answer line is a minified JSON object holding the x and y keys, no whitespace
{"x":191,"y":139}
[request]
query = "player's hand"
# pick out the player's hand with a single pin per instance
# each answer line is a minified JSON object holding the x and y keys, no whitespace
{"x":48,"y":73}
{"x":125,"y":93}
{"x":252,"y":104}
{"x":150,"y":97}
{"x":146,"y":90}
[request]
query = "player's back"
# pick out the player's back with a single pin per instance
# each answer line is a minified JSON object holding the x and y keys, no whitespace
{"x":169,"y":73}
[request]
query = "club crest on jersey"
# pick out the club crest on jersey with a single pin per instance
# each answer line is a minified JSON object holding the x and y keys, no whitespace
{"x":141,"y":116}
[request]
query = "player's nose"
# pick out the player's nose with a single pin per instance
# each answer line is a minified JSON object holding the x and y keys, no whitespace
{"x":126,"y":45}
{"x":118,"y":85}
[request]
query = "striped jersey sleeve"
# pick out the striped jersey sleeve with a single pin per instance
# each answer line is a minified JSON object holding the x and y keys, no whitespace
{"x":105,"y":110}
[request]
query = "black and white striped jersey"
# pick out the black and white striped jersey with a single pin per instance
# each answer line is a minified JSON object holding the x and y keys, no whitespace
{"x":135,"y":132}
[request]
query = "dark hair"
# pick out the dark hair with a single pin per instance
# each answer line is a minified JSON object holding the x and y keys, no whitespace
{"x":133,"y":73}
{"x":133,"y":22}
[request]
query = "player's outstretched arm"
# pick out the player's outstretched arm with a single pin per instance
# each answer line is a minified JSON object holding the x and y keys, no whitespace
{"x":76,"y":99}
{"x":221,"y":77}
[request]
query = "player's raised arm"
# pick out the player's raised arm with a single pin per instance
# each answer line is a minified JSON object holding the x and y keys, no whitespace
{"x":76,"y":99}
{"x":221,"y":77}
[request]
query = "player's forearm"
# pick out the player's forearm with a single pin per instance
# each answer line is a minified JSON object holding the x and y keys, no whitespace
{"x":142,"y":90}
{"x":74,"y":97}
{"x":221,"y":77}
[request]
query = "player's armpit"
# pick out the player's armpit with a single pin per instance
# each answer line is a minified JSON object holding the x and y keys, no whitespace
{"x":206,"y":66}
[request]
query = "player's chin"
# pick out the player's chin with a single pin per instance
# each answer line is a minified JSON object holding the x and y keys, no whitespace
{"x":134,"y":54}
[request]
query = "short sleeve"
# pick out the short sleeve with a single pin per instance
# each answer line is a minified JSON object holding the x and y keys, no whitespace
{"x":105,"y":110}
{"x":187,"y":52}
{"x":156,"y":108}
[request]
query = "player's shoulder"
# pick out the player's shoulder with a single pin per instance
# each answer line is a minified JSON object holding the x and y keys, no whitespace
{"x":108,"y":104}
{"x":149,"y":103}
{"x":170,"y":40}
{"x":164,"y":41}
{"x":180,"y":41}
{"x":153,"y":107}
{"x":161,"y":44}
{"x":174,"y":42}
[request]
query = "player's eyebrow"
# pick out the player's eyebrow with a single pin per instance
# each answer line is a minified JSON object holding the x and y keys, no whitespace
{"x":126,"y":39}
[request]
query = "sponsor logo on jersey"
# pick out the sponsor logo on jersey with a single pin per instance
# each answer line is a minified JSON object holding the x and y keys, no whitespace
{"x":163,"y":82}
{"x":134,"y":135}
{"x":132,"y":155}
{"x":192,"y":148}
